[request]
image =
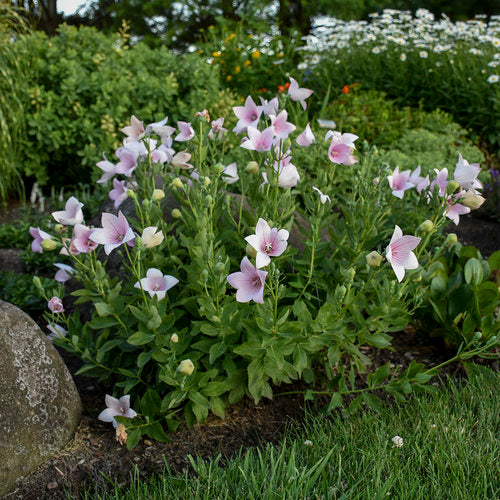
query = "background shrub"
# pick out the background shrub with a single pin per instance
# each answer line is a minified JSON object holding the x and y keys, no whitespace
{"x":82,"y":88}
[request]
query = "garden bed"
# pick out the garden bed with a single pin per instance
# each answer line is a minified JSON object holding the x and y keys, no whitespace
{"x":94,"y":459}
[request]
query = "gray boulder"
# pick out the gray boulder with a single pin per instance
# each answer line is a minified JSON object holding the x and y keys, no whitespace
{"x":39,"y":404}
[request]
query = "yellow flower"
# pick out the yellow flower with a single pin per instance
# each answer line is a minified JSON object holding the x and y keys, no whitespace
{"x":229,"y":78}
{"x":237,"y":70}
{"x":216,"y":53}
{"x":250,"y":36}
{"x":211,"y":27}
{"x":247,"y":63}
{"x":281,"y":54}
{"x":255,"y":54}
{"x":231,"y":36}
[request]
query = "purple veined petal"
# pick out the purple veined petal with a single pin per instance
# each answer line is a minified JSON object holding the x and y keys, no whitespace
{"x":109,"y":247}
{"x":399,"y":270}
{"x":239,"y":279}
{"x":246,"y":266}
{"x":112,"y":402}
{"x":108,"y":415}
{"x":262,"y":230}
{"x":396,"y":234}
{"x":170,"y":281}
{"x":100,"y":236}
{"x":411,"y":261}
{"x":245,"y":293}
{"x":262,"y":260}
{"x":405,"y":243}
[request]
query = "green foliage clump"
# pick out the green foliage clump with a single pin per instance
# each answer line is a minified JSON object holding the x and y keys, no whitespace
{"x":82,"y":88}
{"x":11,"y":109}
{"x":19,"y":289}
{"x":463,"y":298}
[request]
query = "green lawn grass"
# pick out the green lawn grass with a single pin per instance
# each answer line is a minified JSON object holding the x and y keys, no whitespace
{"x":451,"y":450}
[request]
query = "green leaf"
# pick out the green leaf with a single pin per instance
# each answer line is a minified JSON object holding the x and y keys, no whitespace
{"x":216,"y":388}
{"x":473,"y":272}
{"x":110,"y":344}
{"x":133,"y":439}
{"x":140,"y":338}
{"x":103,"y":309}
{"x":335,"y":402}
{"x":155,"y":431}
{"x":143,"y":358}
{"x":379,"y":375}
{"x":372,"y":401}
{"x":216,"y":350}
{"x":100,"y":323}
{"x":494,"y":260}
{"x":379,"y":340}
{"x":300,"y":360}
{"x":151,"y":403}
{"x":217,"y":406}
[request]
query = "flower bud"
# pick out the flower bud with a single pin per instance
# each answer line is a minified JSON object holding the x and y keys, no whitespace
{"x":426,"y":227}
{"x":376,"y":181}
{"x":177,"y":182}
{"x":158,"y":194}
{"x":350,"y":273}
{"x":60,"y":228}
{"x":472,"y":200}
{"x":208,"y":198}
{"x":477,"y":336}
{"x":451,"y":239}
{"x":374,"y":259}
{"x":340,"y":293}
{"x":252,"y":167}
{"x":251,"y":250}
{"x":452,"y":186}
{"x":49,"y":244}
{"x":174,"y":338}
{"x":219,"y":168}
{"x":55,"y":305}
{"x":186,"y":367}
{"x":206,"y":181}
{"x":37,"y":282}
{"x":219,"y":267}
{"x":204,"y":276}
{"x":176,"y":213}
{"x":131,"y":193}
{"x":287,"y":144}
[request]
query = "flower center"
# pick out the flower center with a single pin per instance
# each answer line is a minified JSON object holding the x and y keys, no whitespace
{"x":122,"y":410}
{"x":254,"y":116}
{"x":256,"y":281}
{"x":268,"y":247}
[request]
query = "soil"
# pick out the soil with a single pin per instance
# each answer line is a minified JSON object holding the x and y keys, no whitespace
{"x":94,"y":459}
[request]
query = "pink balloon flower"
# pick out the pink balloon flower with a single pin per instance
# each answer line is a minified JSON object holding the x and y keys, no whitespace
{"x":298,"y":94}
{"x":399,"y":252}
{"x":116,"y":408}
{"x":268,"y":242}
{"x":249,"y":282}
{"x":156,"y":284}
{"x":115,"y":231}
{"x":71,"y":215}
{"x":248,"y":115}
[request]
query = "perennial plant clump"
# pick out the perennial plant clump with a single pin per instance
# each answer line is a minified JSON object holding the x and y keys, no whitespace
{"x":236,"y":271}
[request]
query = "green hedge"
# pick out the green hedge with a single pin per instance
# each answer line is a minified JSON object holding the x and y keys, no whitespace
{"x":82,"y":86}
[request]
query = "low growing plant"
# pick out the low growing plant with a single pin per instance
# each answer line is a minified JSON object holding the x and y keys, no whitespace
{"x":228,"y":279}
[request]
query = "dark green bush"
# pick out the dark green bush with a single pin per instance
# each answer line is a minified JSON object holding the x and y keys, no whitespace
{"x":84,"y":86}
